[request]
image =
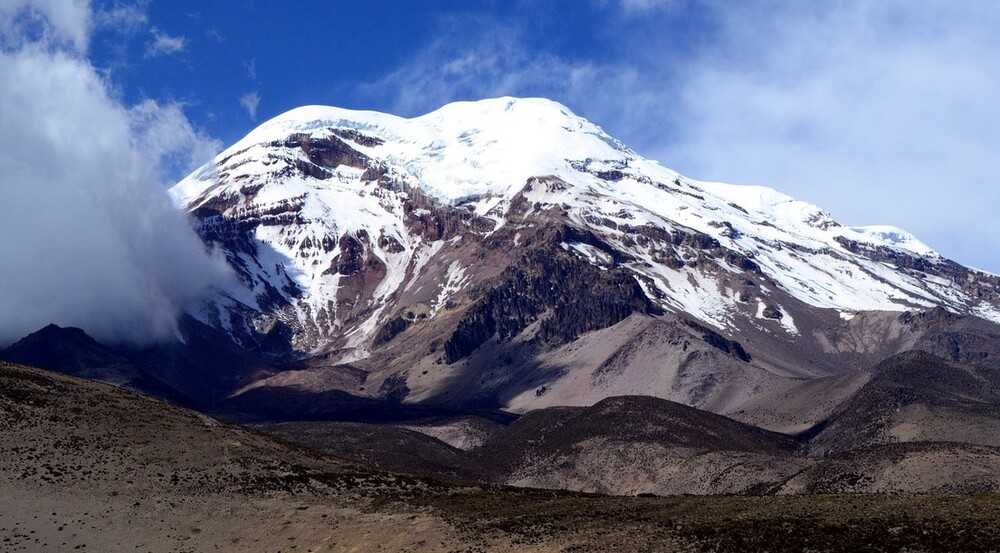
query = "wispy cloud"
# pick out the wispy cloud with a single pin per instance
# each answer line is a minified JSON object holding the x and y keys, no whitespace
{"x":163,"y":44}
{"x":498,"y":63}
{"x":639,"y":6}
{"x":215,"y":35}
{"x":251,"y":66}
{"x":250,"y":101}
{"x":127,"y":18}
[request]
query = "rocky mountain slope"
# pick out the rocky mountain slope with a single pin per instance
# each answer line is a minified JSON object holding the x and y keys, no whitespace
{"x":87,"y":466}
{"x":916,"y":397}
{"x":382,"y":447}
{"x":915,"y":427}
{"x":197,"y":372}
{"x":90,"y":467}
{"x":634,"y":444}
{"x":508,"y":253}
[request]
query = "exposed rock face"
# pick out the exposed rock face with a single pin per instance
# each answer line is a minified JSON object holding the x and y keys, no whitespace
{"x":568,"y":296}
{"x":328,"y":152}
{"x":730,"y":347}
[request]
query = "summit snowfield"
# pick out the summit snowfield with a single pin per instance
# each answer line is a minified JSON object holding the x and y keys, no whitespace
{"x":354,"y":232}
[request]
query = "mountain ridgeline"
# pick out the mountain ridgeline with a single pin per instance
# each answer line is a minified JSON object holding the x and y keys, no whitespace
{"x":509,"y":254}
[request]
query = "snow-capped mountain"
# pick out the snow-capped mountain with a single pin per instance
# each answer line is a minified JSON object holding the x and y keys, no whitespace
{"x":507,"y":221}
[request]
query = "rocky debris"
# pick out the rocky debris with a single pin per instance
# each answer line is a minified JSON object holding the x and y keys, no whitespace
{"x":351,"y":258}
{"x":389,"y":244}
{"x":430,"y":220}
{"x":361,"y":272}
{"x":394,"y":389}
{"x":728,"y":230}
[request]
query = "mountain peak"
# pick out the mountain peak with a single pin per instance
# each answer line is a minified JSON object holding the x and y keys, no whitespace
{"x":459,"y":151}
{"x":67,"y":349}
{"x":348,"y":227}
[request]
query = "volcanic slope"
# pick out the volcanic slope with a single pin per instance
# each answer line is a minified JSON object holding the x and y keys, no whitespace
{"x":86,"y":466}
{"x":454,"y":258}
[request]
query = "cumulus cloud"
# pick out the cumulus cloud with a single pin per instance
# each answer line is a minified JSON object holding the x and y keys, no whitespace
{"x":64,"y":22}
{"x":163,"y":44}
{"x":880,"y":112}
{"x":89,"y":237}
{"x":175,"y":145}
{"x":250,"y":101}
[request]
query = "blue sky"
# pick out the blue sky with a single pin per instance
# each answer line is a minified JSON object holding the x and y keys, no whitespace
{"x":316,"y":52}
{"x":879,"y":111}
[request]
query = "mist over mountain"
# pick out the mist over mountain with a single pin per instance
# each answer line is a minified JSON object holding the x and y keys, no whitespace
{"x":89,"y":237}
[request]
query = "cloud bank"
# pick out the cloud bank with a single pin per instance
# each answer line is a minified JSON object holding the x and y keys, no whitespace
{"x":878,"y":111}
{"x":88,"y":237}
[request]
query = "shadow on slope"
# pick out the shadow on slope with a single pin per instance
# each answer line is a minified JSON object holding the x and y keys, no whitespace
{"x":916,"y":397}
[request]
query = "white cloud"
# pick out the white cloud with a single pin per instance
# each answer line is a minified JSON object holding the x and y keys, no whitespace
{"x":250,"y":101}
{"x":122,"y":17}
{"x":89,"y":237}
{"x":66,"y":22}
{"x":163,"y":44}
{"x":163,"y":130}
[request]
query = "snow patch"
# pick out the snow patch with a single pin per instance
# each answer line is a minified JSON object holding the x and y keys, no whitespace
{"x":455,"y":280}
